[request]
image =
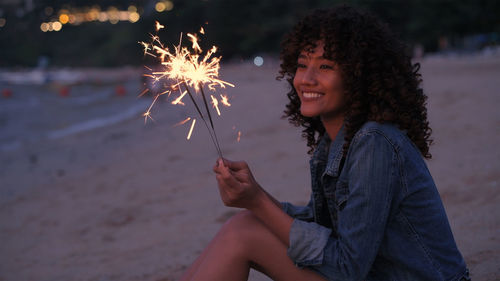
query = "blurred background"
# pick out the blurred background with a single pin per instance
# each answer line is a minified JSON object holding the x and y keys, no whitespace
{"x":105,"y":33}
{"x":90,"y":191}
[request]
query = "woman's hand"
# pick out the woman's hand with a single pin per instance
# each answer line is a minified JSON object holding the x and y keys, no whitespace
{"x":237,"y":185}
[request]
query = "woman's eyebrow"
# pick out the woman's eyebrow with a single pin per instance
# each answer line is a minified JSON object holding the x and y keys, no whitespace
{"x":310,"y":56}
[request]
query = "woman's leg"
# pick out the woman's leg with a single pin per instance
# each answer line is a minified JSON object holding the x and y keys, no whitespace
{"x":244,"y":242}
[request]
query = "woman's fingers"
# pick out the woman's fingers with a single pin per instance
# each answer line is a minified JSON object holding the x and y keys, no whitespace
{"x":236,"y":166}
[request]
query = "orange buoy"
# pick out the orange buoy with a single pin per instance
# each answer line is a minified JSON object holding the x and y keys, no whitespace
{"x":6,"y":93}
{"x":120,"y":91}
{"x":64,"y":91}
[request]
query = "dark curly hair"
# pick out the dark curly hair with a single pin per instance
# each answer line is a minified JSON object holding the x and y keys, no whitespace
{"x":380,"y":82}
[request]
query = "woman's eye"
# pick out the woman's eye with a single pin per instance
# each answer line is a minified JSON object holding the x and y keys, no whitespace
{"x":326,"y":66}
{"x":300,"y":65}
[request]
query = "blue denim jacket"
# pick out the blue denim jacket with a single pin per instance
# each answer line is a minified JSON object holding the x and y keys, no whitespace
{"x":379,"y":217}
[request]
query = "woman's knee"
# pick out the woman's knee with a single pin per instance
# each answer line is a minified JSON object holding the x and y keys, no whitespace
{"x":240,"y":229}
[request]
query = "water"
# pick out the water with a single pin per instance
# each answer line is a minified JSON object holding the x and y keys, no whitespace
{"x":39,"y":110}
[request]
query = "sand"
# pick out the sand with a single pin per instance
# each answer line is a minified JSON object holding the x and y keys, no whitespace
{"x":131,"y":201}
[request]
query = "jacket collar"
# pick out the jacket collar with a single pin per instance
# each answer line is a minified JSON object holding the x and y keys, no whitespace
{"x":330,"y":152}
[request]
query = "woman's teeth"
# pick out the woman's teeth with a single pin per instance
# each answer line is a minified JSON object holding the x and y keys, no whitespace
{"x":308,"y":95}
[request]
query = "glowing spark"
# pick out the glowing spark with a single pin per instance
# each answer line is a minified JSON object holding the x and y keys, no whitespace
{"x":147,"y":114}
{"x":224,"y":100}
{"x":194,"y":40}
{"x":202,"y":31}
{"x":158,"y":26}
{"x":239,"y":136}
{"x":179,"y":99}
{"x":183,"y":66}
{"x":191,"y":129}
{"x":146,"y":49}
{"x":182,"y":122}
{"x":215,"y":103}
{"x":143,"y":92}
{"x":165,"y":92}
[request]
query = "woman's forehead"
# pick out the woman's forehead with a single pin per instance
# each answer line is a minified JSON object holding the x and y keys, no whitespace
{"x":313,"y":51}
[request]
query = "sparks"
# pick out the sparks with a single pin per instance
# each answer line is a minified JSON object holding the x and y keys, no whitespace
{"x":224,"y":100}
{"x":183,"y":66}
{"x":158,"y":26}
{"x":146,"y":49}
{"x":191,"y":129}
{"x":182,"y":122}
{"x":194,"y":41}
{"x":143,"y":93}
{"x":147,"y":114}
{"x":215,"y":103}
{"x":179,"y":99}
{"x":189,"y":69}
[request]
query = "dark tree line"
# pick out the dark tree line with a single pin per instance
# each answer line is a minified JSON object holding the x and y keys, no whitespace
{"x":240,"y":28}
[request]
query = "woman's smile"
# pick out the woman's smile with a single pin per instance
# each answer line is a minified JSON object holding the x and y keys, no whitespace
{"x":311,"y":96}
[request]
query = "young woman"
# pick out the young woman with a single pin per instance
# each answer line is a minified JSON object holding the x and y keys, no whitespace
{"x":374,"y":213}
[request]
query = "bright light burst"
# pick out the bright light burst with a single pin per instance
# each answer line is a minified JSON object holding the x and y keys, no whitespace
{"x":189,"y":69}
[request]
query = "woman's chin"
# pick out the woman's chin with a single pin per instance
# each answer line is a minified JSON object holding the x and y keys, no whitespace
{"x":308,"y":113}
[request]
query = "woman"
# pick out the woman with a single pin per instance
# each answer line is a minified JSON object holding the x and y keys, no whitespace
{"x":374,"y":213}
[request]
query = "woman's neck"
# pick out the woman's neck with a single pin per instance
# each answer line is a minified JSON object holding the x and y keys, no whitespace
{"x":332,"y":125}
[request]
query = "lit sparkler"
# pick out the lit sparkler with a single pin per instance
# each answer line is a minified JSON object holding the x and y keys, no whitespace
{"x":189,"y":70}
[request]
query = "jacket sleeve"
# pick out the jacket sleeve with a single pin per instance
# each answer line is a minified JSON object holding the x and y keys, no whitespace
{"x":372,"y":175}
{"x":304,"y":213}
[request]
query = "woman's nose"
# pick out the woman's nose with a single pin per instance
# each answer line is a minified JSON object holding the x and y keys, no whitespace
{"x":308,"y":76}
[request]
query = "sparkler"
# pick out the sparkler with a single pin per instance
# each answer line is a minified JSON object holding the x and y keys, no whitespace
{"x":190,"y":70}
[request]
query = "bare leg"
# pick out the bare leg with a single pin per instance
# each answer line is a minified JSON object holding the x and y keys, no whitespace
{"x":244,"y":242}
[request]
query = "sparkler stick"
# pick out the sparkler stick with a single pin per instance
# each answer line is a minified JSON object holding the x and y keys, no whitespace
{"x":216,"y":143}
{"x":210,"y":118}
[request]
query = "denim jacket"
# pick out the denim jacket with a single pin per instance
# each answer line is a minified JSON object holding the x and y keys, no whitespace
{"x":379,"y":217}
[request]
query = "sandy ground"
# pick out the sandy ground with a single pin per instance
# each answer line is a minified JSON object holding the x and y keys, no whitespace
{"x":139,"y":202}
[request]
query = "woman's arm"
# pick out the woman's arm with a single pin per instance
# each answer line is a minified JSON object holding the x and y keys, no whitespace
{"x":238,"y":188}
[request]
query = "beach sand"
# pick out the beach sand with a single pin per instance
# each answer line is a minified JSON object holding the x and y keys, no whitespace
{"x":135,"y":201}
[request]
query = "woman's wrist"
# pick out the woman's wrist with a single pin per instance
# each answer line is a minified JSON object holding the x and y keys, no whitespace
{"x":259,"y":200}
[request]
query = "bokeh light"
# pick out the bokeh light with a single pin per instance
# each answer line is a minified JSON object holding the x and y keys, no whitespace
{"x":2,"y":22}
{"x":48,"y":10}
{"x":56,"y":26}
{"x":163,"y":6}
{"x":44,"y":27}
{"x":132,"y":8}
{"x":169,"y":5}
{"x":160,"y":7}
{"x":64,"y":18}
{"x":102,"y":17}
{"x":76,"y":16}
{"x":258,"y":61}
{"x":134,"y":17}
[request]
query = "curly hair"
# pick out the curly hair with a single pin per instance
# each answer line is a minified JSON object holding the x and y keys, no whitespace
{"x":380,"y":82}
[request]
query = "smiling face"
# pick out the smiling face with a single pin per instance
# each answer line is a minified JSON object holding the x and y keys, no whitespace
{"x":318,"y":83}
